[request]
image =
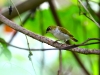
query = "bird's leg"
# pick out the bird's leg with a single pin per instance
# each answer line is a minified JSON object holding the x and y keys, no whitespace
{"x":56,"y":41}
{"x":69,"y":43}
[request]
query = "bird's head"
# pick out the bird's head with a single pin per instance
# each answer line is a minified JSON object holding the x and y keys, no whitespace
{"x":51,"y":29}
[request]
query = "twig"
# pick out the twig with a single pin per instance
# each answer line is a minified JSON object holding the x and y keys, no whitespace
{"x":67,"y":47}
{"x":87,"y":16}
{"x":24,"y":21}
{"x":89,"y":39}
{"x":60,"y":63}
{"x":80,"y":50}
{"x":84,"y":43}
{"x":30,"y":53}
{"x":54,"y":12}
{"x":89,"y":13}
{"x":27,"y":5}
{"x":80,"y":63}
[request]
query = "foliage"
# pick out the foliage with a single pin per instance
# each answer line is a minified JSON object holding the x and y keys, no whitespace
{"x":79,"y":25}
{"x":5,"y":50}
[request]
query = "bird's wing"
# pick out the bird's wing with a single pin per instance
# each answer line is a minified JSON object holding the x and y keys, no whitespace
{"x":65,"y":31}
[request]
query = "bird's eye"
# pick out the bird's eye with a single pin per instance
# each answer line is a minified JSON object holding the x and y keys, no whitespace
{"x":48,"y":29}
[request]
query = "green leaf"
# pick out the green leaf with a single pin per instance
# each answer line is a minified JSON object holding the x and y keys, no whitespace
{"x":4,"y":49}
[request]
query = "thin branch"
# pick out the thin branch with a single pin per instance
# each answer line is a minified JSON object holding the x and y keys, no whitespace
{"x":27,"y":5}
{"x":46,"y":40}
{"x":80,"y":63}
{"x":87,"y":16}
{"x":60,"y":63}
{"x":89,"y":39}
{"x":24,"y":21}
{"x":89,"y":13}
{"x":68,"y":47}
{"x":53,"y":10}
{"x":84,"y":43}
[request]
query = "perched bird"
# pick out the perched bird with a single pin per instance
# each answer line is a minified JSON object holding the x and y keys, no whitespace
{"x":61,"y":33}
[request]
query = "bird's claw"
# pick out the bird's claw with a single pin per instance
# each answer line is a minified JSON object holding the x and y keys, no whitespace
{"x":55,"y":41}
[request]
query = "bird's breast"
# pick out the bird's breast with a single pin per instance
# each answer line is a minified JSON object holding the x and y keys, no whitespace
{"x":61,"y":35}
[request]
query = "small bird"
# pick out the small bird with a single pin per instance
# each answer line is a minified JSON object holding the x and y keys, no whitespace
{"x":61,"y":33}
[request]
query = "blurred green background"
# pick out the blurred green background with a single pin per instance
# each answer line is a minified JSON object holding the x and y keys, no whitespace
{"x":15,"y":61}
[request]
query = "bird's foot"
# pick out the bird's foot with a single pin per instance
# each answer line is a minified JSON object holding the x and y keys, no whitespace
{"x":55,"y":41}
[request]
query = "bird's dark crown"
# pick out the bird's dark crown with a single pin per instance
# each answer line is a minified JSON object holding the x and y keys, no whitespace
{"x":50,"y":28}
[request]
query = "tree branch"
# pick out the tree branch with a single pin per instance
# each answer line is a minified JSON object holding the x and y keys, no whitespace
{"x":53,"y":10}
{"x":27,"y":5}
{"x":46,"y":40}
{"x":23,"y":22}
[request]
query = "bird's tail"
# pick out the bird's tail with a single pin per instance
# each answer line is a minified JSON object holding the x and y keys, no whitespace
{"x":74,"y":39}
